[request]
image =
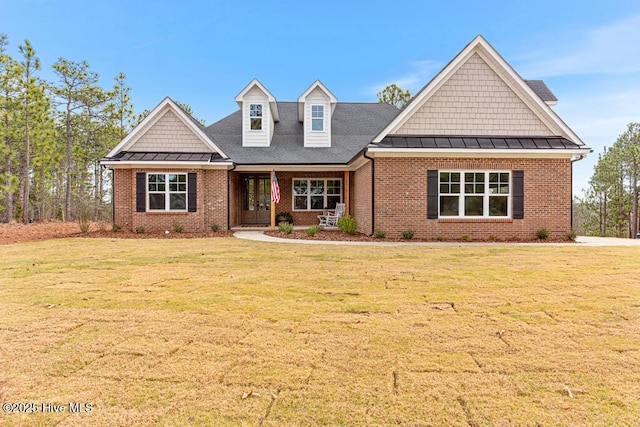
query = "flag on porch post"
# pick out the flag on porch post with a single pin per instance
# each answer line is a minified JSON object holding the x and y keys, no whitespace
{"x":275,"y":188}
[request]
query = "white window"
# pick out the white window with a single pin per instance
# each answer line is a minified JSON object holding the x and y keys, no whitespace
{"x":255,"y":116}
{"x":167,"y":192}
{"x":316,"y":194}
{"x":475,"y":194}
{"x":317,"y":118}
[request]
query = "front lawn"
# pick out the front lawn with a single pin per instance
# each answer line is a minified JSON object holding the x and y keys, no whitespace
{"x":224,"y":331}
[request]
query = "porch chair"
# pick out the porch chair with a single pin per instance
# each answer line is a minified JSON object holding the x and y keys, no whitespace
{"x":330,"y":218}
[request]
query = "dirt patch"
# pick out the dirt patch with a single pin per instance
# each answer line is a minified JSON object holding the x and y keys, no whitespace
{"x":18,"y":233}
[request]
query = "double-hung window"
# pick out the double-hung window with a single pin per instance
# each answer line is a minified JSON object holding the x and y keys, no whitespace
{"x":474,"y":194}
{"x":317,"y":118}
{"x":255,"y":116}
{"x":167,"y":192}
{"x":316,"y":194}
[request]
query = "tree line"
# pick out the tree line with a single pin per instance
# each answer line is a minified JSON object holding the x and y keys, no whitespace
{"x":609,"y":207}
{"x":52,"y":136}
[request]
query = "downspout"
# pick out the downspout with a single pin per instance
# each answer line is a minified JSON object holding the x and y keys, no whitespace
{"x":113,"y":197}
{"x":580,"y":157}
{"x":228,"y":196}
{"x":373,"y":186}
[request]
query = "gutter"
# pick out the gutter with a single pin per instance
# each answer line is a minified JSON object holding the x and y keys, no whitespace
{"x":373,"y":193}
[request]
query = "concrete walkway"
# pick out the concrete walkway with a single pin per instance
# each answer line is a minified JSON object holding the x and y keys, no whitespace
{"x":259,"y":236}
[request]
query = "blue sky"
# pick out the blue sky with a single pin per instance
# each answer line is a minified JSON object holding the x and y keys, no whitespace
{"x":204,"y":52}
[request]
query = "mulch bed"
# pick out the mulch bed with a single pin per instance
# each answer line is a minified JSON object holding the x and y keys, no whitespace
{"x":17,"y":233}
{"x":338,"y":236}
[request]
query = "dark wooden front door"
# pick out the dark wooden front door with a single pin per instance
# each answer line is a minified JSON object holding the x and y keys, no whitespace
{"x":256,"y":199}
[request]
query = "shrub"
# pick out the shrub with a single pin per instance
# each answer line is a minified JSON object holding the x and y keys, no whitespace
{"x":465,"y":238}
{"x":285,"y":227}
{"x":84,"y":224}
{"x":408,"y":234}
{"x":115,"y":227}
{"x":572,"y":235}
{"x":348,"y":225}
{"x":215,"y":228}
{"x":440,"y":239}
{"x":313,"y":230}
{"x":379,"y":234}
{"x":140,"y":229}
{"x":284,"y":217}
{"x":177,"y":227}
{"x":542,"y":234}
{"x":492,"y":238}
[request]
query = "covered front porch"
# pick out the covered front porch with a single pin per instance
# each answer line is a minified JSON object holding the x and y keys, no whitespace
{"x":304,"y":195}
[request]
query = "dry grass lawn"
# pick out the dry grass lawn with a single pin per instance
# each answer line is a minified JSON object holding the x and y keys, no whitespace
{"x":230,"y":332}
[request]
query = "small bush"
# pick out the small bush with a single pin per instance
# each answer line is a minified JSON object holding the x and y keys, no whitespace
{"x":215,"y":228}
{"x":84,"y":224}
{"x":408,"y":235}
{"x":465,"y":238}
{"x":572,"y":235}
{"x":440,"y":239}
{"x":313,"y":230}
{"x":492,"y":238}
{"x":115,"y":227}
{"x":542,"y":234}
{"x":348,"y":225}
{"x":285,"y":227}
{"x":140,"y":229}
{"x":177,"y":227}
{"x":379,"y":234}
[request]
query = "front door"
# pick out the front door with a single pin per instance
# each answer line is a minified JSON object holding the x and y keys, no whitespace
{"x":256,"y":199}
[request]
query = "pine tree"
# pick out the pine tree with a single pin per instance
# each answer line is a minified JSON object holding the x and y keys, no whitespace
{"x":78,"y":94}
{"x":9,"y":150}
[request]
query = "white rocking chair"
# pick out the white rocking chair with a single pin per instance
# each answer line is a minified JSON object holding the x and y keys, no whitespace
{"x":330,"y":218}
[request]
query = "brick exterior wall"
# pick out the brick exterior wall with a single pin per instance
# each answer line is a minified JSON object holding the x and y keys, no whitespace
{"x":401,"y":199}
{"x":211,"y":205}
{"x":170,"y":134}
{"x":475,"y":101}
{"x":361,"y":197}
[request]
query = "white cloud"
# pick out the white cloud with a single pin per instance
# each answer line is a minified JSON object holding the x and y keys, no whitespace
{"x":613,"y":48}
{"x":418,"y":75}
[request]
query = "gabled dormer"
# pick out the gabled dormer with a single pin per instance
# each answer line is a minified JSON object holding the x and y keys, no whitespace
{"x":315,"y":108}
{"x":259,"y":113}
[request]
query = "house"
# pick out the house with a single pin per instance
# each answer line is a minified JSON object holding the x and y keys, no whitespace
{"x":478,"y":151}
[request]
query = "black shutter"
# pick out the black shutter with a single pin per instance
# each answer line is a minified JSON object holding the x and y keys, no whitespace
{"x":140,"y":191}
{"x":192,"y":188}
{"x":432,"y":194}
{"x":518,"y":194}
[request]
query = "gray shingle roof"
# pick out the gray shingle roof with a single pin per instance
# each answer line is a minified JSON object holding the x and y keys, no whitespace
{"x":471,"y":142}
{"x":542,"y":90}
{"x":353,"y":127}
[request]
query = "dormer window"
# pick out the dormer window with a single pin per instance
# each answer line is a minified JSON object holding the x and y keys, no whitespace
{"x":317,"y":118}
{"x":255,"y":115}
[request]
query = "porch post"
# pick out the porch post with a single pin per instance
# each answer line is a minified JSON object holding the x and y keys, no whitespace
{"x":346,"y":192}
{"x":273,"y":204}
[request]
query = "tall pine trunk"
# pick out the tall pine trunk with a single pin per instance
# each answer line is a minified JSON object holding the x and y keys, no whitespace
{"x":68,"y":166}
{"x":8,"y":197}
{"x":26,"y":166}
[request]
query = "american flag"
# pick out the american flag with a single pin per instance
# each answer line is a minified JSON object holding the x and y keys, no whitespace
{"x":275,"y":188}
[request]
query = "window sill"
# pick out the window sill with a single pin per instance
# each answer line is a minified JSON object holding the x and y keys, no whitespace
{"x":478,"y":219}
{"x":166,"y":212}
